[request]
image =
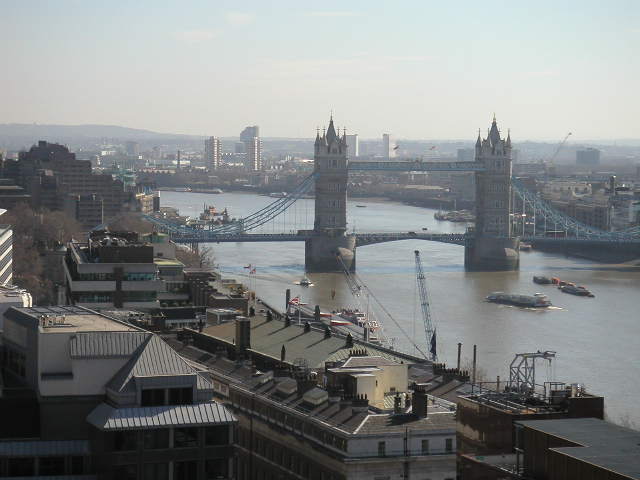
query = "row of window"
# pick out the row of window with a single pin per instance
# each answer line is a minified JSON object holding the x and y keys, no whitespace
{"x":28,"y":467}
{"x":425,"y":448}
{"x":160,"y":438}
{"x":185,"y":470}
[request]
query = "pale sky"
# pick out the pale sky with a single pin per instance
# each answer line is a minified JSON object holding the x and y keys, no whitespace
{"x":418,"y":69}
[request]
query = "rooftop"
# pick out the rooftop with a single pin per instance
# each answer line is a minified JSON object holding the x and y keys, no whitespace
{"x":268,"y":337}
{"x":67,"y":319}
{"x":608,"y":446}
{"x":167,"y":262}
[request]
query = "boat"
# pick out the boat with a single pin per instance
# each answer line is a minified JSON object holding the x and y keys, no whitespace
{"x":576,"y":290}
{"x":354,"y":316}
{"x":540,"y":280}
{"x":216,"y":191}
{"x":538,"y":300}
{"x":424,"y":229}
{"x":278,"y":194}
{"x":525,"y":247}
{"x":305,"y":282}
{"x":361,"y":206}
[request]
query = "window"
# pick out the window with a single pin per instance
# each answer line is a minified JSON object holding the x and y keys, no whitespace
{"x":154,"y":439}
{"x":152,"y":397}
{"x":51,"y":465}
{"x":180,"y":396}
{"x":216,"y":435}
{"x":156,"y":471}
{"x":21,"y":467}
{"x":126,"y":472}
{"x":448,"y":445}
{"x":425,"y":447}
{"x":185,"y":437}
{"x":185,"y":470}
{"x":216,"y":468}
{"x":381,"y":449}
{"x":77,"y":465}
{"x":125,"y":440}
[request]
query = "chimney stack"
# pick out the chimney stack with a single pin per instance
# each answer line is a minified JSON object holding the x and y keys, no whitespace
{"x":419,"y":401}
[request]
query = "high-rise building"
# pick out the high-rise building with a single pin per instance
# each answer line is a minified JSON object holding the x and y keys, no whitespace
{"x":250,"y":138}
{"x":353,"y":146}
{"x":212,"y":153}
{"x":388,"y":146}
{"x":253,"y":161}
{"x":590,"y":156}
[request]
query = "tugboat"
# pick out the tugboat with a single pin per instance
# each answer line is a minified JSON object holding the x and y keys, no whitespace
{"x":540,"y":280}
{"x":538,"y":300}
{"x":575,"y":290}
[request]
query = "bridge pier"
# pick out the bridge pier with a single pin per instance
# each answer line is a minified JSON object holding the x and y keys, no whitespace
{"x":492,"y":254}
{"x":322,"y":253}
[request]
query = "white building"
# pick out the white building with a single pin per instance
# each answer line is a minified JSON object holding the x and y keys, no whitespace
{"x":353,"y":145}
{"x":212,"y":153}
{"x":388,"y":146}
{"x":6,"y":253}
{"x":254,"y":154}
{"x":11,"y":296}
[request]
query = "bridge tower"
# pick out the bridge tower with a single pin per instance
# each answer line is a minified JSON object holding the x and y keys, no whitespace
{"x":493,"y":246}
{"x":329,"y":242}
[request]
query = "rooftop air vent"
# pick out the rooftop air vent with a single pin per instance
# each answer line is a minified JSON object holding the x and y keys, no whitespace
{"x":287,"y":386}
{"x":316,"y":396}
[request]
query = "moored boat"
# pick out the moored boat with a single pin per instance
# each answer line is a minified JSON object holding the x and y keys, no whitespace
{"x":576,"y":290}
{"x":538,"y":300}
{"x":541,"y":280}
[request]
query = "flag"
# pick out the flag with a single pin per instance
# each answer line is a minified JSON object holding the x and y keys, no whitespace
{"x":433,"y":147}
{"x":396,"y":147}
{"x":248,"y":267}
{"x":252,"y":271}
{"x":432,"y":349}
{"x":294,"y":301}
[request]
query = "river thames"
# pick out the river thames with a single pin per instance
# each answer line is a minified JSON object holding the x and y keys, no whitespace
{"x":597,"y":340}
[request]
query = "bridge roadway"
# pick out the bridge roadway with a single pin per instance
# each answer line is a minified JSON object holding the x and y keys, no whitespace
{"x":362,"y":239}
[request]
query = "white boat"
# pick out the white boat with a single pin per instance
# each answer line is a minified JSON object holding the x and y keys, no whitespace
{"x":305,"y":282}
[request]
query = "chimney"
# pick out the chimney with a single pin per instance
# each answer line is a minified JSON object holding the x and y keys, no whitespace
{"x":307,"y":327}
{"x":459,"y":353}
{"x":306,"y":383}
{"x":316,"y":314}
{"x":287,"y":321}
{"x":269,"y":316}
{"x":283,"y":353}
{"x":349,"y":342}
{"x":360,"y":404}
{"x":327,"y":332}
{"x":243,"y":334}
{"x":397,"y":404}
{"x":287,"y":296}
{"x":419,"y":401}
{"x":473,"y":372}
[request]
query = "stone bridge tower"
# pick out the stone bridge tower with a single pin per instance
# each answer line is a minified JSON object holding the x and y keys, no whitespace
{"x":493,"y":247}
{"x":330,"y":246}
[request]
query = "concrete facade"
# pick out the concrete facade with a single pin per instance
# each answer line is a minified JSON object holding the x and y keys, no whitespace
{"x":494,"y":247}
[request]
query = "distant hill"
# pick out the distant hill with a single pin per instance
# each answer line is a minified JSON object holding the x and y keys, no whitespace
{"x":83,"y":131}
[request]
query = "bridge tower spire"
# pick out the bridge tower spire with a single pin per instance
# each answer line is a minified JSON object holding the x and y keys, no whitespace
{"x":330,"y":225}
{"x":493,"y":247}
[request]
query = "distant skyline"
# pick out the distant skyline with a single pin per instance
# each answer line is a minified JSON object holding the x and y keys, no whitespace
{"x":416,"y":69}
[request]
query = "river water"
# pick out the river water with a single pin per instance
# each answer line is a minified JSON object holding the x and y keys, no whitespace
{"x":597,"y":340}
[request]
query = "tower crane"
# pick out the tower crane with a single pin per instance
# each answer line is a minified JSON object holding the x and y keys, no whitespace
{"x":559,"y":147}
{"x":429,"y":327}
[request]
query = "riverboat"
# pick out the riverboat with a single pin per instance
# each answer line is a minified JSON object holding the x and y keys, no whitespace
{"x":305,"y":282}
{"x":576,"y":290}
{"x":541,"y":280}
{"x":538,"y":300}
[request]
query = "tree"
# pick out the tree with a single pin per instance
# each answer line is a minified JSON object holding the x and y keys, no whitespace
{"x":200,"y":258}
{"x":130,"y":222}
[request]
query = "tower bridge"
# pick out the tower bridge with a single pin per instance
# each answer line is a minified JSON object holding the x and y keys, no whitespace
{"x":492,"y":245}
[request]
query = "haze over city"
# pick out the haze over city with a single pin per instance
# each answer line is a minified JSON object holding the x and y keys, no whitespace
{"x":418,"y":69}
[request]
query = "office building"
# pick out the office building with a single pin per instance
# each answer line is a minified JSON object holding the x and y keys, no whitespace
{"x":353,"y":145}
{"x":49,"y":173}
{"x":388,"y":146}
{"x":96,"y":398}
{"x":132,"y":148}
{"x":212,"y":153}
{"x":249,"y":133}
{"x":466,"y":154}
{"x":87,"y":209}
{"x":589,"y":157}
{"x":112,"y":270}
{"x":6,"y":252}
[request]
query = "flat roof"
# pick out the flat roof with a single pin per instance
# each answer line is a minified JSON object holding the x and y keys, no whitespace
{"x":69,"y":319}
{"x":167,"y":262}
{"x":603,"y":444}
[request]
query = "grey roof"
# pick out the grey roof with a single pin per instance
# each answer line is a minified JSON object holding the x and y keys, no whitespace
{"x":106,"y":417}
{"x":106,"y":344}
{"x":437,"y":419}
{"x":368,"y":361}
{"x":608,"y":446}
{"x":154,"y":359}
{"x":267,"y":338}
{"x":44,"y":448}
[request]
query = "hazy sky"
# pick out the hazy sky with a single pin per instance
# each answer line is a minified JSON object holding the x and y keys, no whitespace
{"x":418,"y":69}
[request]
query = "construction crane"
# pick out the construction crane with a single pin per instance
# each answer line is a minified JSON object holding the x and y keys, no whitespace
{"x":559,"y":147}
{"x":429,"y":327}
